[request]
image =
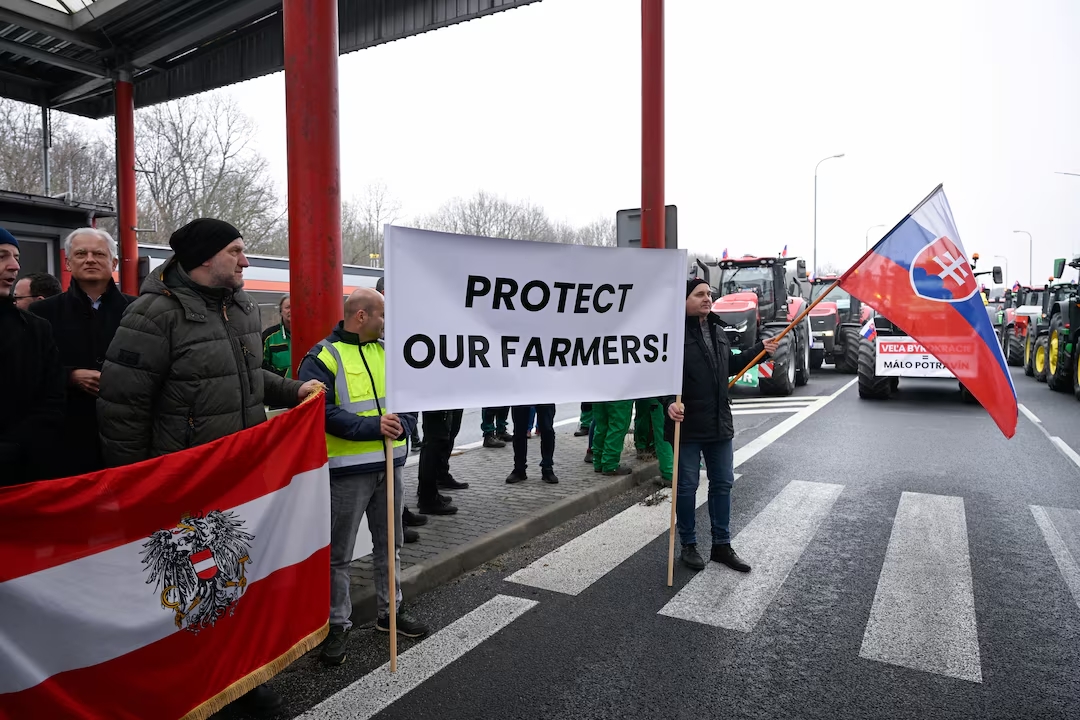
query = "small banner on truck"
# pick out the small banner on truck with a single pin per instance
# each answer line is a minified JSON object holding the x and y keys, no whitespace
{"x":903,"y":356}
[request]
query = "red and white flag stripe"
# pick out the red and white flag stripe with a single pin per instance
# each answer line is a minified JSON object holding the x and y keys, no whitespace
{"x":105,"y":578}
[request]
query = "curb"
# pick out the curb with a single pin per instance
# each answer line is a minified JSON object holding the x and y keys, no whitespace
{"x":453,"y":563}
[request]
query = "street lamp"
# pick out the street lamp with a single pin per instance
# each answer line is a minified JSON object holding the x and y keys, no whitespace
{"x":868,"y":234}
{"x":1030,"y":263}
{"x":813,"y":265}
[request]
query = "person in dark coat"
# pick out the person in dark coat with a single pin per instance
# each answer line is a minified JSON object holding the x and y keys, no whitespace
{"x":707,"y":429}
{"x":33,"y":383}
{"x":84,"y":320}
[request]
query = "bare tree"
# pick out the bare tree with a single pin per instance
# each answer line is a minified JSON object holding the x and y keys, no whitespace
{"x":362,"y":221}
{"x":828,"y":268}
{"x":195,"y":160}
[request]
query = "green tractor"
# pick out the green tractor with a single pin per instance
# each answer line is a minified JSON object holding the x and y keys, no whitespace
{"x":1062,"y":343}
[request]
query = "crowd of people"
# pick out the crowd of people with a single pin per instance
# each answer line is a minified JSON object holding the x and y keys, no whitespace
{"x":116,"y":379}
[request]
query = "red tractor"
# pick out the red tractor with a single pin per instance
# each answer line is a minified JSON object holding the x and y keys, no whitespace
{"x":835,"y":323}
{"x":756,"y":298}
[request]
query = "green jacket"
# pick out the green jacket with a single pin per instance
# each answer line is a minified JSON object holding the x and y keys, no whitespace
{"x":184,"y":369}
{"x":277,"y":352}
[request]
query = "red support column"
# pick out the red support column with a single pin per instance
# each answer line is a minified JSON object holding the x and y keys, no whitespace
{"x":652,"y":123}
{"x":127,"y":210}
{"x":316,"y":284}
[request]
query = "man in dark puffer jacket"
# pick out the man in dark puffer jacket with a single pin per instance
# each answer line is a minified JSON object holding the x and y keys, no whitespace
{"x":185,"y":365}
{"x":708,"y":429}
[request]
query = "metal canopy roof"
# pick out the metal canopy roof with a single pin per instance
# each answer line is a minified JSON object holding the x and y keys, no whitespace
{"x":66,"y":53}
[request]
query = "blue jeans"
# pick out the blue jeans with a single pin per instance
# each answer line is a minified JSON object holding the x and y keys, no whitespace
{"x":720,"y":469}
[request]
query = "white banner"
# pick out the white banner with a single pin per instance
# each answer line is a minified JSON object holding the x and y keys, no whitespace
{"x":903,"y":356}
{"x":484,"y":322}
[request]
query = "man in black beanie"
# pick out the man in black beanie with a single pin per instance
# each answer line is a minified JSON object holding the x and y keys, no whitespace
{"x":185,"y":366}
{"x":708,"y":428}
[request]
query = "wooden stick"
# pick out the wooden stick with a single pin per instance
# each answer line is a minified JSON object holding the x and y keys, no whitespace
{"x":796,"y":321}
{"x":674,"y":492}
{"x":391,"y":519}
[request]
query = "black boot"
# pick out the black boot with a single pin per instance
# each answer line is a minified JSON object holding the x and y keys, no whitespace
{"x":490,"y":441}
{"x":691,"y":558}
{"x":724,"y":555}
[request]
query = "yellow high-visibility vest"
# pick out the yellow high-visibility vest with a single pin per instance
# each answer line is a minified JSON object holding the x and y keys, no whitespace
{"x":360,"y":389}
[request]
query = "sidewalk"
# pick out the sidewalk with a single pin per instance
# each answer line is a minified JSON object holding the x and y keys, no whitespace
{"x":494,"y":517}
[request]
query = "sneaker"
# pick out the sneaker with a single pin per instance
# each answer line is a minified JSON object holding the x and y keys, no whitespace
{"x":588,"y":456}
{"x":581,"y":431}
{"x":407,"y":626}
{"x":410,"y":535}
{"x":548,"y":475}
{"x":490,"y":441}
{"x":691,"y":558}
{"x":333,"y":647}
{"x":260,"y":702}
{"x":724,"y":555}
{"x":515,"y":477}
{"x":411,"y":519}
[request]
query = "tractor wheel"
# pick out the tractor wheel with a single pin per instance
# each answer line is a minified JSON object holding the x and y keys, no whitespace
{"x":1076,"y":372}
{"x":870,"y":385}
{"x":894,"y":384}
{"x":1038,"y":362}
{"x":784,"y":362}
{"x":1058,"y":364}
{"x":1029,"y":354}
{"x":966,"y":396}
{"x":802,"y":370}
{"x":1014,"y":350}
{"x":816,"y":358}
{"x":848,"y":363}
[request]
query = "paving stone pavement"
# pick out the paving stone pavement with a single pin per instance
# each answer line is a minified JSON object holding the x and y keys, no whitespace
{"x":489,"y":503}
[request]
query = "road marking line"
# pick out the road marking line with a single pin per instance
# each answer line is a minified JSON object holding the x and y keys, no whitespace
{"x":574,"y":566}
{"x":377,"y":690}
{"x":768,"y":410}
{"x":790,"y":398}
{"x":1066,"y":562}
{"x":1030,"y":415}
{"x":772,"y":543}
{"x":923,"y":616}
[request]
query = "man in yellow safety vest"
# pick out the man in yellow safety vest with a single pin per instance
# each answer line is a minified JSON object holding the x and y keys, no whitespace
{"x":352,"y":362}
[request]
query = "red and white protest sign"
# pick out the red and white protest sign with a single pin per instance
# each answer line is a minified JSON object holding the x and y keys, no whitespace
{"x":168,"y":588}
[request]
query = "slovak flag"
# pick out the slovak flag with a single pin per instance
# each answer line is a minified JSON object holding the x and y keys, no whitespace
{"x":918,"y":276}
{"x":724,"y":256}
{"x":869,"y":330}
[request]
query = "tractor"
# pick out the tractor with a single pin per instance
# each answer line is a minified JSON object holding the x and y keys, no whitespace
{"x":756,"y":298}
{"x":1063,"y":337}
{"x":835,"y":324}
{"x":1039,"y":331}
{"x":1021,"y":302}
{"x":903,"y":355}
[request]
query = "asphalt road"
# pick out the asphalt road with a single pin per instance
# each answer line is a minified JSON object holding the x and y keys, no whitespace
{"x":909,"y":562}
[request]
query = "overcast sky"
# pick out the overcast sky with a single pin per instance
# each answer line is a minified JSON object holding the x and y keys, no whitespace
{"x":543,"y":103}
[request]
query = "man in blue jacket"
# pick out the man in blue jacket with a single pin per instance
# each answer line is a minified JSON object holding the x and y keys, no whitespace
{"x":352,"y":363}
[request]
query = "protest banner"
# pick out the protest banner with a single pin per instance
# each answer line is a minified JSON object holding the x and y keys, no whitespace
{"x":477,"y":322}
{"x":168,"y":588}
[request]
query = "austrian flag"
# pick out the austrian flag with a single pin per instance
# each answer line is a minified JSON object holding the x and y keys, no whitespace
{"x":169,"y":588}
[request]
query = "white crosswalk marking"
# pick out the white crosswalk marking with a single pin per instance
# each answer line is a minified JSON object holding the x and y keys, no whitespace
{"x":772,"y":542}
{"x":1061,"y":529}
{"x":771,"y":405}
{"x":923,"y":616}
{"x":374,"y":692}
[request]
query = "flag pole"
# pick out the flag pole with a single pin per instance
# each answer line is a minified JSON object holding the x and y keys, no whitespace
{"x":391,"y":519}
{"x":674,"y":495}
{"x":805,"y":312}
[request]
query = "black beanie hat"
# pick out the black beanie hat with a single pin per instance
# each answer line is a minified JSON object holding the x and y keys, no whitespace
{"x":693,"y":283}
{"x":200,"y":240}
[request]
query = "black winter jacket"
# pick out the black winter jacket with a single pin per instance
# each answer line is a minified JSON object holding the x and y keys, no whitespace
{"x":706,"y":408}
{"x":33,"y":397}
{"x":82,"y":336}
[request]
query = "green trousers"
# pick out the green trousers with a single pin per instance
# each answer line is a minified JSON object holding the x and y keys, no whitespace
{"x":649,"y":434}
{"x":612,"y":422}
